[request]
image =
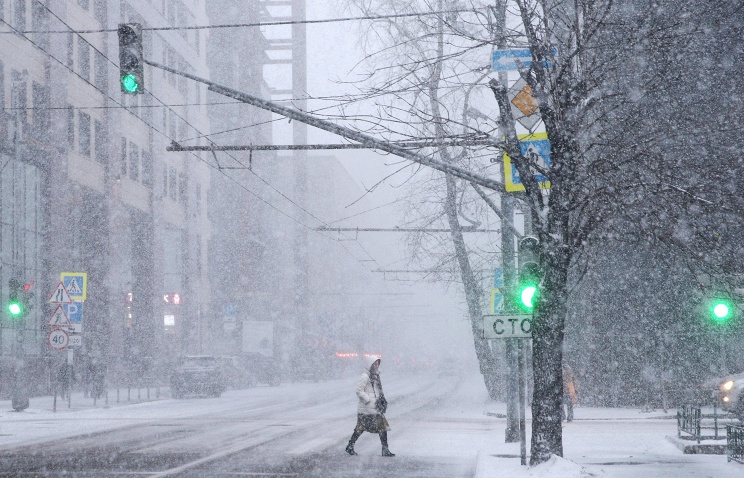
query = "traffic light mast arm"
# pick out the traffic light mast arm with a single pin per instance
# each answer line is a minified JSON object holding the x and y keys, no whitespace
{"x":341,"y":130}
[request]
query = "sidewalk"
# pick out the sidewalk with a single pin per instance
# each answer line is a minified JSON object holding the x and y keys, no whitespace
{"x":116,"y":397}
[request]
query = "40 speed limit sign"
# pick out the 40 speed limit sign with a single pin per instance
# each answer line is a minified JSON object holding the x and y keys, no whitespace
{"x":58,"y":339}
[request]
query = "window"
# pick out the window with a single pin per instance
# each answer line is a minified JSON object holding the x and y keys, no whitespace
{"x":99,"y":66}
{"x":41,"y":112}
{"x":84,"y":58}
{"x":2,"y":81}
{"x":70,"y":124}
{"x":133,"y":162}
{"x":70,"y":49}
{"x":123,"y":157}
{"x":183,"y":188}
{"x":171,"y":124}
{"x":84,"y":133}
{"x":165,"y":182}
{"x":100,"y":142}
{"x":146,"y":169}
{"x":182,"y":128}
{"x":172,"y":184}
{"x":19,"y":96}
{"x":99,"y":10}
{"x":19,"y":14}
{"x":40,"y":22}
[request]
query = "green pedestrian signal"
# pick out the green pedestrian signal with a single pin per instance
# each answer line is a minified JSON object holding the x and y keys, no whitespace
{"x":15,"y":309}
{"x":129,"y":83}
{"x":527,"y":294}
{"x":530,"y":273}
{"x":721,"y":310}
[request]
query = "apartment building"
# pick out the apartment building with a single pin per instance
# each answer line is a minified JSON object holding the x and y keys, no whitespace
{"x":87,"y":185}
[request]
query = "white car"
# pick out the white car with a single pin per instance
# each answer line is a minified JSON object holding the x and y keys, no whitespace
{"x":729,"y":392}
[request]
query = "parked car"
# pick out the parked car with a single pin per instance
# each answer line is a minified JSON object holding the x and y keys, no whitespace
{"x":197,"y":375}
{"x":729,"y":393}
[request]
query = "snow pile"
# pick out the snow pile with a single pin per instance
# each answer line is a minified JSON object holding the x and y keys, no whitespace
{"x":558,"y":467}
{"x":495,"y":466}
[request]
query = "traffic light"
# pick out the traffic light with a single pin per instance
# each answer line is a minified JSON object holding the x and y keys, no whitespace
{"x":721,"y":310}
{"x":530,"y":272}
{"x":15,"y":300}
{"x":131,"y":66}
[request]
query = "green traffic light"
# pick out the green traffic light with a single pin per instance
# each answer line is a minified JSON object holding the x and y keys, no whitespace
{"x":721,"y":310}
{"x":15,"y":309}
{"x":129,"y":83}
{"x":528,"y":293}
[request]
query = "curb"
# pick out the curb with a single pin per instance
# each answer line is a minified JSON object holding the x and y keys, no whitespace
{"x":689,"y":447}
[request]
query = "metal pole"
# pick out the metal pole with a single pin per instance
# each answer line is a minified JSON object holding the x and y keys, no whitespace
{"x":522,"y":403}
{"x":342,"y":131}
{"x":507,"y":251}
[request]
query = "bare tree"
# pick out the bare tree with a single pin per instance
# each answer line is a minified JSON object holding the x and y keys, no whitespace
{"x":600,"y":73}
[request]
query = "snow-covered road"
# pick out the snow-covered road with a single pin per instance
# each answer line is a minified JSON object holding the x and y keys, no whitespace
{"x":439,"y":429}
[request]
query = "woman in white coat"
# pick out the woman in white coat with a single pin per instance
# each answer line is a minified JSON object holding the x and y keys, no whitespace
{"x":372,"y":405}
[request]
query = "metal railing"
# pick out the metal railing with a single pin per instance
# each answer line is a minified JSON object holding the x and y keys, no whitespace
{"x":735,"y":443}
{"x":693,"y":424}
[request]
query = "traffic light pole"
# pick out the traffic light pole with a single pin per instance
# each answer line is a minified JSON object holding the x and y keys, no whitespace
{"x":507,"y":251}
{"x":342,"y":131}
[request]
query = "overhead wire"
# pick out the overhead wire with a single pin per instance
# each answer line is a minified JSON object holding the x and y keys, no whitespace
{"x":256,"y":24}
{"x":242,"y":186}
{"x":87,"y":80}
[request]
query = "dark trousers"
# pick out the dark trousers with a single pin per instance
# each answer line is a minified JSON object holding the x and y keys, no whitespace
{"x":358,"y":433}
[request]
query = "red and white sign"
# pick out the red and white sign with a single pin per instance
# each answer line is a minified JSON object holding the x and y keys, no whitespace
{"x":58,"y":339}
{"x":60,"y":295}
{"x":59,"y":318}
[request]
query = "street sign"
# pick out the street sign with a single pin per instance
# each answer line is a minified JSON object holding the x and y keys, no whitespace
{"x":59,"y":318}
{"x":76,"y":284}
{"x":75,"y":341}
{"x":74,"y":312}
{"x":524,"y":106}
{"x":536,"y":146}
{"x":497,"y":301}
{"x":505,"y":60}
{"x":498,"y":278}
{"x":60,"y":295}
{"x":507,"y":326}
{"x":58,"y":339}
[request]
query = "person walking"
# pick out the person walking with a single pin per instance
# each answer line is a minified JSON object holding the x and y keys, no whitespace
{"x":569,"y":393}
{"x":371,"y":408}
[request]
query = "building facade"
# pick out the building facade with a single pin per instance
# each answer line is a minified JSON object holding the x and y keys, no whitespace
{"x":87,"y":185}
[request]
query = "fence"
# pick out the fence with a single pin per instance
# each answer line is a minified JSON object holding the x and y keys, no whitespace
{"x":735,"y":443}
{"x":693,"y":424}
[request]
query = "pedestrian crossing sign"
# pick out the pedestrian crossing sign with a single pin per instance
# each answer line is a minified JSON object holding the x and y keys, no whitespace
{"x":76,"y":284}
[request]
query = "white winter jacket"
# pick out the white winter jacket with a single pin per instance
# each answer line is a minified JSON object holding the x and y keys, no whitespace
{"x":367,"y":392}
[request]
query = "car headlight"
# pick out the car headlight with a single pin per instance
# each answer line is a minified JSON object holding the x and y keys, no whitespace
{"x":727,"y":385}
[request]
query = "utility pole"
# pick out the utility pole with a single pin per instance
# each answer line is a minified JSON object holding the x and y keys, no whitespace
{"x":299,"y":138}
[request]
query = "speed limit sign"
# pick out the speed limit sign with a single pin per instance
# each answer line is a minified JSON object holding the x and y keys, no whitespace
{"x":58,"y":339}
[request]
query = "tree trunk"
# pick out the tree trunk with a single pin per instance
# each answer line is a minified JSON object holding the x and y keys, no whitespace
{"x":473,"y":292}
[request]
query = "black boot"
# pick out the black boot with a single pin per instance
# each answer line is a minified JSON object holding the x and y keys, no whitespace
{"x":385,"y":450}
{"x":350,"y":449}
{"x":352,"y":440}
